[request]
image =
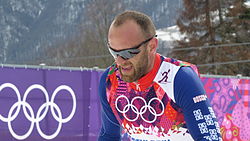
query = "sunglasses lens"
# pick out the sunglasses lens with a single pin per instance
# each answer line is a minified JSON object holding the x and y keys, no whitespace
{"x":113,"y":53}
{"x":128,"y":53}
{"x":125,"y":54}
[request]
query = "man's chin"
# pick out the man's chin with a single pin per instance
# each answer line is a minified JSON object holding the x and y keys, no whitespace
{"x":127,"y":78}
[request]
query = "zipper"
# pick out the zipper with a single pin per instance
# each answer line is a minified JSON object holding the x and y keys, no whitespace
{"x":137,"y":86}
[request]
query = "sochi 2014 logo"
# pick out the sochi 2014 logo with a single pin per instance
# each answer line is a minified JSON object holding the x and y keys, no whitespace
{"x":49,"y":104}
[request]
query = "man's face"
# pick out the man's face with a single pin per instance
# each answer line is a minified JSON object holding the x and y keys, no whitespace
{"x":133,"y":69}
{"x":127,"y":36}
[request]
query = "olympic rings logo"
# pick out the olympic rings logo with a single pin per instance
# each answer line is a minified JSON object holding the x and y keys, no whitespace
{"x":141,"y":111}
{"x":39,"y":116}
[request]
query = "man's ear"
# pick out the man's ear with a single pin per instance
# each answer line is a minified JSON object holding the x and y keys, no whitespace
{"x":153,"y":45}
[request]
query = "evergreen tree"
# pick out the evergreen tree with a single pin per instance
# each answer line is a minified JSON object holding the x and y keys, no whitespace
{"x":236,"y":29}
{"x":210,"y":23}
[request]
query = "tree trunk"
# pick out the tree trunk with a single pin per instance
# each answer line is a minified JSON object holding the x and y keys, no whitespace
{"x":208,"y":23}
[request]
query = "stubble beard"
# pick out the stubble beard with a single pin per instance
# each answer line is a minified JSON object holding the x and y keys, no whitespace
{"x":139,"y":70}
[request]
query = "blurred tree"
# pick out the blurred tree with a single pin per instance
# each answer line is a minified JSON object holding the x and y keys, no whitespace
{"x":236,"y":29}
{"x":214,"y":22}
{"x":88,"y":48}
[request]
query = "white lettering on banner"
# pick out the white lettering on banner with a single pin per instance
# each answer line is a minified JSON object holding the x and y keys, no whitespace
{"x":39,"y":116}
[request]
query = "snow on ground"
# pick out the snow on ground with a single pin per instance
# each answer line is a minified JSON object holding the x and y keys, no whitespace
{"x":247,"y":3}
{"x":168,"y":35}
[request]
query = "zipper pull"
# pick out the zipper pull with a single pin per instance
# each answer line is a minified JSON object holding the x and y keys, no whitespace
{"x":138,"y":87}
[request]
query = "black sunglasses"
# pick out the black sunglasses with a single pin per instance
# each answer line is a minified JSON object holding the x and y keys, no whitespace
{"x":128,"y":53}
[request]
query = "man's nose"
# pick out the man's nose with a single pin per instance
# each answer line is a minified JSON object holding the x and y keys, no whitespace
{"x":119,"y":60}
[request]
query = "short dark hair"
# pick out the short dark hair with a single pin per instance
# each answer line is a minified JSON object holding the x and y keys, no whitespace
{"x":144,"y":21}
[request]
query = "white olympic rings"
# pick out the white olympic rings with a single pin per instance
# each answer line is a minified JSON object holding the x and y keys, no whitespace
{"x":39,"y":115}
{"x":141,"y":111}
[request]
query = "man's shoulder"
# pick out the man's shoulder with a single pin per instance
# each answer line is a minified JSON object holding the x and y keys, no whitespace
{"x":109,"y":70}
{"x":104,"y":75}
{"x":175,"y":62}
{"x":179,"y":63}
{"x":109,"y":74}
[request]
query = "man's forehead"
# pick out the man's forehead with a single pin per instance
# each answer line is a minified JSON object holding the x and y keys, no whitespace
{"x":128,"y":28}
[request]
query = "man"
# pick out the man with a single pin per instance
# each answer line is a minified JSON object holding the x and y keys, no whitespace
{"x":148,"y":96}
